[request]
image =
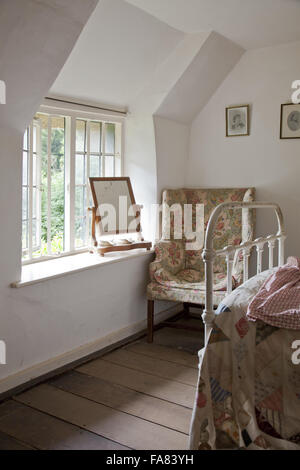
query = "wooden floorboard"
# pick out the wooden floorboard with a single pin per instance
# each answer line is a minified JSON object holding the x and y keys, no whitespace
{"x":115,"y":425}
{"x":9,"y":443}
{"x":191,"y":321}
{"x":137,"y":397}
{"x":189,"y":341}
{"x":153,"y":366}
{"x":174,"y":392}
{"x":123,"y":399}
{"x":46,"y":432}
{"x":157,"y":351}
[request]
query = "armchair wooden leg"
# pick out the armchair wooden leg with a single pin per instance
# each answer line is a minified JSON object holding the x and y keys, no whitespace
{"x":150,"y":321}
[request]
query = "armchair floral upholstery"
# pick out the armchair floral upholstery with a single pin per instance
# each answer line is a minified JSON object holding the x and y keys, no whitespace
{"x":177,"y":274}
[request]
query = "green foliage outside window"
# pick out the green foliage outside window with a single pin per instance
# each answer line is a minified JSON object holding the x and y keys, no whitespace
{"x":57,"y":190}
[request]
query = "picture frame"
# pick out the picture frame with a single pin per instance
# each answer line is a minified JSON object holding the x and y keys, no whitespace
{"x":237,"y":120}
{"x":290,"y":121}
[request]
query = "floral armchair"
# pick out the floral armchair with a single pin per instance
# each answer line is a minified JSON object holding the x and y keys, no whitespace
{"x":177,"y":274}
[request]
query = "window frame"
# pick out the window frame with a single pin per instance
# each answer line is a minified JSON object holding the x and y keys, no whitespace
{"x":31,"y":186}
{"x":71,"y":115}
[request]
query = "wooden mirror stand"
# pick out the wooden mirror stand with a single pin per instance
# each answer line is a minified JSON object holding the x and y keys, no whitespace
{"x":108,"y":191}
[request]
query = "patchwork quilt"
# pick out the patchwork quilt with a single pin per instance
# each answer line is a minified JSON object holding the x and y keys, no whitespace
{"x":248,"y":394}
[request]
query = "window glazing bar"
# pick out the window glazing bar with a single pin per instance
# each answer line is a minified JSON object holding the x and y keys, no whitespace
{"x":49,"y":250}
{"x":30,"y":199}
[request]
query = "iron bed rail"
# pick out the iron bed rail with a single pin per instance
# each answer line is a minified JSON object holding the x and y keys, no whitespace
{"x":230,"y":251}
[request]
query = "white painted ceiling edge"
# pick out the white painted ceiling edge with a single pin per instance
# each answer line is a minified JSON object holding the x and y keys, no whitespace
{"x":251,"y":24}
{"x":144,"y":63}
{"x":165,"y":77}
{"x":185,"y":81}
{"x":214,"y":60}
{"x":119,"y":48}
{"x":126,"y":43}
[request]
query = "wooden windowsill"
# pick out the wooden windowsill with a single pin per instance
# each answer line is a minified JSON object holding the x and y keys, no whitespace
{"x":54,"y":268}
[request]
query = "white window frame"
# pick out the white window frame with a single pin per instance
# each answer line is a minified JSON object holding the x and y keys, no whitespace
{"x":71,"y":115}
{"x":31,"y":186}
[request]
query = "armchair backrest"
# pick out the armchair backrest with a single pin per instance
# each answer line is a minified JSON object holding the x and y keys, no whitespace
{"x":232,"y":228}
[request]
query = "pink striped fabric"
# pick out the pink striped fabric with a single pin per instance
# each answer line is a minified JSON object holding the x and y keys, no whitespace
{"x":278,"y":300}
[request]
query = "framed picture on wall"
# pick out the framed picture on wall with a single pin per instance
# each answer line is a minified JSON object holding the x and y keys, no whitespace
{"x":290,"y":121}
{"x":237,"y":120}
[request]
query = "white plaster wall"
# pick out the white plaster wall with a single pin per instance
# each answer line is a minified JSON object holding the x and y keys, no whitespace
{"x":157,"y":128}
{"x":157,"y":151}
{"x":216,"y":57}
{"x":35,"y":40}
{"x":40,"y":322}
{"x":145,"y":162}
{"x":140,"y":165}
{"x":43,"y":321}
{"x":48,"y":324}
{"x":263,"y":79}
{"x":118,"y":50}
{"x":172,"y":141}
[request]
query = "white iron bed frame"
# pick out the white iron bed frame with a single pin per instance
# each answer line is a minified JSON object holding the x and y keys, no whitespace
{"x":229,"y":252}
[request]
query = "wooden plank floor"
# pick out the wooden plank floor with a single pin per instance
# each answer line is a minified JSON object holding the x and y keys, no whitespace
{"x":139,"y":397}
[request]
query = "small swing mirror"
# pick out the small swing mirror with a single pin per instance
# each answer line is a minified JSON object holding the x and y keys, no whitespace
{"x":115,"y":212}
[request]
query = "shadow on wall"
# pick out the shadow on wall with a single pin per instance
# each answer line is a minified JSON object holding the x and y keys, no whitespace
{"x":266,"y":221}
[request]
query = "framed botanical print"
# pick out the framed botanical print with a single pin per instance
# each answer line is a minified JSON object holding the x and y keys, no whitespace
{"x":290,"y":121}
{"x":237,"y":120}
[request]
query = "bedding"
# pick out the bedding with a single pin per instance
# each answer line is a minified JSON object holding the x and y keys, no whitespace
{"x":248,"y":393}
{"x":277,"y":302}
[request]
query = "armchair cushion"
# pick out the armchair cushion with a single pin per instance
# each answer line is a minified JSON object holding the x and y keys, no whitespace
{"x":194,"y":295}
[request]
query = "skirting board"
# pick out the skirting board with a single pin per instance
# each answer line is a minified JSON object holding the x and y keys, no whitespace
{"x":26,"y":378}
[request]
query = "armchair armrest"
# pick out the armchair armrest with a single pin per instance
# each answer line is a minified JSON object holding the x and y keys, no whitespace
{"x":170,"y":258}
